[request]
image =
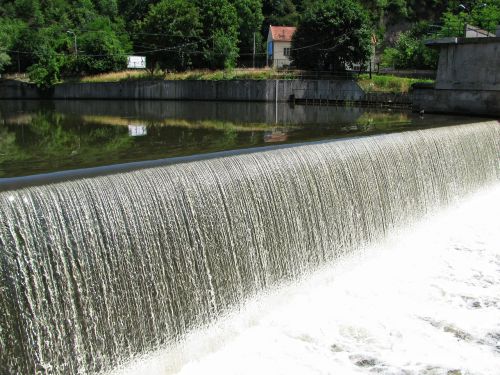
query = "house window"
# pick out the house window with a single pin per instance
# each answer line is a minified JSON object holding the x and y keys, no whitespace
{"x":286,"y":51}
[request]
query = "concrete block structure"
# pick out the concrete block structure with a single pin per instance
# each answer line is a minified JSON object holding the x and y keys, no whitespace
{"x":468,"y":78}
{"x":279,"y":45}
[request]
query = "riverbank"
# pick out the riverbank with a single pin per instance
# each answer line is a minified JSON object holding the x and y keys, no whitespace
{"x":282,"y":90}
{"x":385,"y":83}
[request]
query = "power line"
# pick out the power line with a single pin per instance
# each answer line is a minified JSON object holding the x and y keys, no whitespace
{"x":164,"y":49}
{"x":339,"y":43}
{"x":154,"y":48}
{"x":310,"y":46}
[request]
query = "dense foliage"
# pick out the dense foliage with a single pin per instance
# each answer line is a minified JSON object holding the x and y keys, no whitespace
{"x":484,"y":14}
{"x":220,"y":33}
{"x":170,"y":23}
{"x":410,"y":51}
{"x":50,"y":39}
{"x":39,"y":37}
{"x":333,"y":34}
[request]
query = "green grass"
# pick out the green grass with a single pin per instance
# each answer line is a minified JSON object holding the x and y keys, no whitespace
{"x":201,"y":75}
{"x":126,"y":75}
{"x":388,"y":83}
{"x":378,"y":83}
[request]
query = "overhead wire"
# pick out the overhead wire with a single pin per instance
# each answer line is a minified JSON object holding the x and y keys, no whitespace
{"x":154,"y":48}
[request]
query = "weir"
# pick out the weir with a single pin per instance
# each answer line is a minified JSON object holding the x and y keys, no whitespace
{"x":98,"y":270}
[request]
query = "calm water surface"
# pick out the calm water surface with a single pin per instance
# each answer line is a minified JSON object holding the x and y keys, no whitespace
{"x":41,"y":137}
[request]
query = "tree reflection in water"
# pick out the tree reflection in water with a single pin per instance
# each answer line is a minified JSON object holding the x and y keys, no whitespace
{"x":41,"y":137}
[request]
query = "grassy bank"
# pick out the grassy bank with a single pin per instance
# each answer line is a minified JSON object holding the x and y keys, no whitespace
{"x":378,"y":83}
{"x":388,"y":83}
{"x":201,"y":75}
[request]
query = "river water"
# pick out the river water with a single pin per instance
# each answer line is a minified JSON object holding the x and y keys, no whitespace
{"x":424,"y":301}
{"x":366,"y":250}
{"x":50,"y":136}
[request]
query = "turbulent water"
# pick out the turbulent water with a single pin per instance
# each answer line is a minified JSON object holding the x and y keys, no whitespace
{"x":97,"y":271}
{"x":424,"y":301}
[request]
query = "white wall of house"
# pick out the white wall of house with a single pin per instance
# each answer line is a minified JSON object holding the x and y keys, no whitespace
{"x":281,"y":53}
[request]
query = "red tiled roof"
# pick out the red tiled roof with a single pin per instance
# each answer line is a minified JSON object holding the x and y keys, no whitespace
{"x":282,"y":33}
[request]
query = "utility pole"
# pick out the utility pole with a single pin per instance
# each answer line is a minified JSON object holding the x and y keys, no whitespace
{"x":254,"y":50}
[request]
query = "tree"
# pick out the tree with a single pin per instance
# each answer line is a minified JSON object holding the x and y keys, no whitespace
{"x":220,"y":33}
{"x":48,"y":61}
{"x":280,"y":13}
{"x":171,"y":29}
{"x":9,"y":32}
{"x":410,"y":51}
{"x":332,"y":34}
{"x":107,"y":8}
{"x":133,"y":10}
{"x":250,"y":20}
{"x":104,"y":46}
{"x":47,"y":71}
{"x":484,"y":14}
{"x":4,"y":59}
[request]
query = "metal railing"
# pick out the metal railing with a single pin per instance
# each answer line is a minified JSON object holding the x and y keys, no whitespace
{"x":461,"y":30}
{"x":350,"y":97}
{"x":292,"y":72}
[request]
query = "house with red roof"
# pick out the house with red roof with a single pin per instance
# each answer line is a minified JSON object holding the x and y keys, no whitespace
{"x":279,"y":45}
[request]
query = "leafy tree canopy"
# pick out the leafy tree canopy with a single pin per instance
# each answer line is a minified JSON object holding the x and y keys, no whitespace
{"x":42,"y":37}
{"x":250,"y":20}
{"x":180,"y":34}
{"x":332,"y":34}
{"x":172,"y":30}
{"x":484,"y":14}
{"x":410,"y":51}
{"x":281,"y":12}
{"x":220,"y":33}
{"x":10,"y":29}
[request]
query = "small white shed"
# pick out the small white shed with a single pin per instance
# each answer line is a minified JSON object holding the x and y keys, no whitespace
{"x":279,"y":45}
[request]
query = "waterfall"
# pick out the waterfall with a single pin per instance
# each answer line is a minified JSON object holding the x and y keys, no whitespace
{"x":98,"y":270}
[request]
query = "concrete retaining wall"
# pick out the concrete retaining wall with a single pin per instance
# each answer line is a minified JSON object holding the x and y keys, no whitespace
{"x":468,"y":78}
{"x":469,"y":102}
{"x":469,"y":64}
{"x":10,"y":89}
{"x":235,"y":90}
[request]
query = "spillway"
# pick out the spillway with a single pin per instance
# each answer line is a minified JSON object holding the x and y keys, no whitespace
{"x":98,"y":270}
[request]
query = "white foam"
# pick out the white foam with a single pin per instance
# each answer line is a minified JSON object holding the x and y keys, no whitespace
{"x":425,"y":301}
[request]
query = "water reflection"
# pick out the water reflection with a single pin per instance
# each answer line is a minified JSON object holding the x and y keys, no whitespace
{"x":39,"y":137}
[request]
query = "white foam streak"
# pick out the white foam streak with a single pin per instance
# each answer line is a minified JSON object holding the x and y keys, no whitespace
{"x":426,"y":301}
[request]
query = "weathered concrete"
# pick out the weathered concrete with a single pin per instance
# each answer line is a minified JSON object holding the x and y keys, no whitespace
{"x":477,"y":102}
{"x":234,"y":90}
{"x":468,"y":64}
{"x":468,"y":78}
{"x":11,"y":89}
